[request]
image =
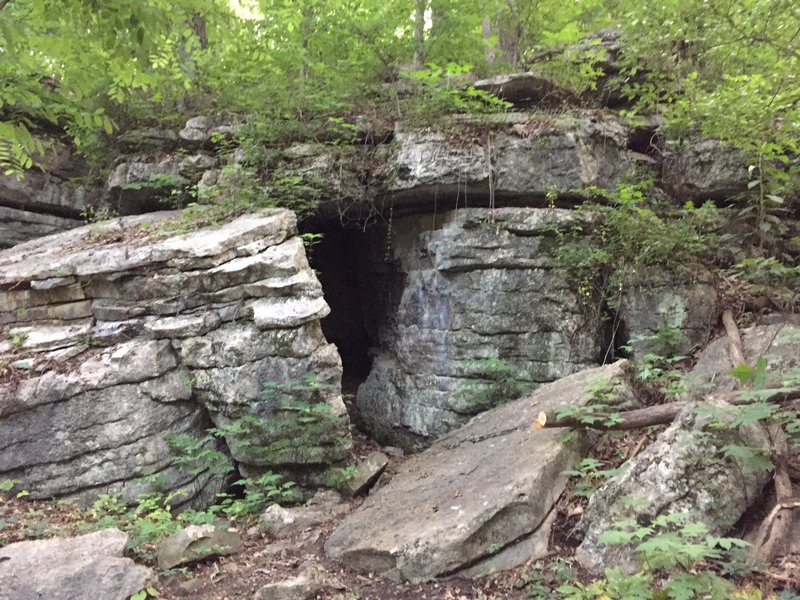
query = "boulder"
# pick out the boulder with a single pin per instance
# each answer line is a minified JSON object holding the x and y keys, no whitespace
{"x":147,"y":138}
{"x":776,"y":338}
{"x":144,"y":183}
{"x":467,"y":287}
{"x":682,"y":472}
{"x":705,"y":170}
{"x":71,"y":568}
{"x":475,"y":494}
{"x":527,"y":161}
{"x":366,"y":473}
{"x":283,"y":522}
{"x":197,"y":542}
{"x":303,"y":587}
{"x":54,"y":195}
{"x":128,"y":335}
{"x":525,"y":89}
{"x":17,"y":226}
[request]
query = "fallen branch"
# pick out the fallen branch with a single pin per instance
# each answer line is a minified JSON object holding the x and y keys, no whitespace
{"x":773,"y":533}
{"x":661,"y":414}
{"x":734,"y":339}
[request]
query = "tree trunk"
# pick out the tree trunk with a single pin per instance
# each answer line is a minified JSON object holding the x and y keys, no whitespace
{"x":488,"y":49}
{"x":419,"y":33}
{"x":306,"y":29}
{"x":199,"y":28}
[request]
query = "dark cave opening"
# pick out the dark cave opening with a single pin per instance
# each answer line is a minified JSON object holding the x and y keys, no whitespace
{"x":338,"y":259}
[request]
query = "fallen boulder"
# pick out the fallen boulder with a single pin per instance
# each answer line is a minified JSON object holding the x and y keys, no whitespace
{"x":682,"y":472}
{"x":476,"y":493}
{"x":366,"y":473}
{"x":526,"y":89}
{"x":282,"y":522}
{"x":197,"y":542}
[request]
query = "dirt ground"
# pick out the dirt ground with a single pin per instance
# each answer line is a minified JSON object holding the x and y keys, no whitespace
{"x":265,"y":559}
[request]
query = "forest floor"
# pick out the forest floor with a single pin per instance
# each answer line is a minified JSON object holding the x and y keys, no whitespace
{"x":265,"y":559}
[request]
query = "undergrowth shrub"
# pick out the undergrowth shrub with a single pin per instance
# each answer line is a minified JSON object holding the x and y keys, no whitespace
{"x":619,"y":235}
{"x":495,"y":381}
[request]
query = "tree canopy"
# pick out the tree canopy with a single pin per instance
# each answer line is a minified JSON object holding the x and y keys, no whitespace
{"x":726,"y":68}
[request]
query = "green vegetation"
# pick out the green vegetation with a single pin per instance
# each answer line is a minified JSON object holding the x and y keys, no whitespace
{"x":495,"y":382}
{"x":728,"y":71}
{"x":618,"y":236}
{"x":670,"y":550}
{"x":308,"y":70}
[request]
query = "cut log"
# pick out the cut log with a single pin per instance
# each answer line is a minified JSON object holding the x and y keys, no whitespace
{"x":661,"y":414}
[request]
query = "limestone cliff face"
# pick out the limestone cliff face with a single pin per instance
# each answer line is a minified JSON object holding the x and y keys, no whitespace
{"x":116,"y":335}
{"x":461,"y":271}
{"x":475,"y":285}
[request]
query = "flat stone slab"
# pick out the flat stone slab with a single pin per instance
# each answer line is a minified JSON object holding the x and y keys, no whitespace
{"x":87,"y":566}
{"x":478,"y":491}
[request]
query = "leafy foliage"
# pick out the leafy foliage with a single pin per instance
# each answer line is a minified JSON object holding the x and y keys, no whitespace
{"x":624,"y":236}
{"x":499,"y":382}
{"x":671,"y":546}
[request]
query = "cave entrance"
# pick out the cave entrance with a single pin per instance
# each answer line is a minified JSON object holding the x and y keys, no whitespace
{"x":338,"y":258}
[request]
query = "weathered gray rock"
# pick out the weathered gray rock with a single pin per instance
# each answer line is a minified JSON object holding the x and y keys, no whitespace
{"x":302,"y":587}
{"x":367,"y":471}
{"x":196,"y":129}
{"x":17,"y":226}
{"x":527,"y":161}
{"x":142,"y":183}
{"x":128,"y":335}
{"x":71,"y":568}
{"x":197,"y":542}
{"x":707,"y":170}
{"x":525,"y":89}
{"x":147,"y":138}
{"x":49,"y":198}
{"x":478,"y":285}
{"x":283,"y":522}
{"x":478,"y":491}
{"x":681,"y":472}
{"x":777,"y":339}
{"x":686,"y":301}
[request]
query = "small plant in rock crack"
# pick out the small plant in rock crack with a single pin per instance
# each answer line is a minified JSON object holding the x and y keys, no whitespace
{"x":497,"y":382}
{"x":659,"y":365}
{"x":17,"y":339}
{"x":589,"y":474}
{"x":201,"y":454}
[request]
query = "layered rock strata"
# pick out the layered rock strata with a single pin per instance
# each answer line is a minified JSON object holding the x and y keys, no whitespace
{"x":116,"y":335}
